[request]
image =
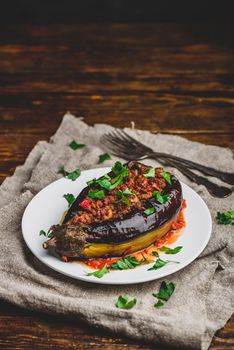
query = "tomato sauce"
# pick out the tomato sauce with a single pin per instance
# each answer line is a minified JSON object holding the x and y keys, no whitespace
{"x":146,"y":254}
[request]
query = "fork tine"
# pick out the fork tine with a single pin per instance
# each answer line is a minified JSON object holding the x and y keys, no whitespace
{"x":118,"y":141}
{"x":115,"y":142}
{"x":137,"y":143}
{"x":122,"y":139}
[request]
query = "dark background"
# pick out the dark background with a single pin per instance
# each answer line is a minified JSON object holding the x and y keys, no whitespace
{"x":73,"y":11}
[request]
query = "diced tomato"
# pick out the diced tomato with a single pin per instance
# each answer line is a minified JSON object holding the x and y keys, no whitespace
{"x":86,"y":204}
{"x":64,"y":258}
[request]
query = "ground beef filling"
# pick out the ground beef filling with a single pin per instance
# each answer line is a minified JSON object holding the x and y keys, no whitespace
{"x":98,"y":210}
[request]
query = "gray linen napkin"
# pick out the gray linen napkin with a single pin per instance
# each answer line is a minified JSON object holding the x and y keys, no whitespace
{"x":203,"y":300}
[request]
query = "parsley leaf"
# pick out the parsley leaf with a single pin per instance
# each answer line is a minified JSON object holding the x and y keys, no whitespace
{"x":160,"y":198}
{"x":120,"y":172}
{"x":74,"y":145}
{"x":124,"y":303}
{"x":168,"y":250}
{"x":126,"y":263}
{"x":90,"y":182}
{"x":150,"y":173}
{"x":225,"y":218}
{"x":149,"y":211}
{"x":97,"y":194}
{"x":69,"y":198}
{"x":119,"y":168}
{"x":99,"y":273}
{"x":73,"y":175}
{"x":166,"y":176}
{"x":159,"y":303}
{"x":127,"y":191}
{"x":160,"y":263}
{"x":42,"y":233}
{"x":46,"y":234}
{"x":124,"y":195}
{"x":103,"y":157}
{"x":104,"y":182}
{"x":166,"y":291}
{"x":155,"y":254}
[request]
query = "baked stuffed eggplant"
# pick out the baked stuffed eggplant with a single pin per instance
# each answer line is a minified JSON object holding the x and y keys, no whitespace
{"x":120,"y":213}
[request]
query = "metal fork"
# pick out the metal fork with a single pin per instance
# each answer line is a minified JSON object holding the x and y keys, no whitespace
{"x":125,"y":146}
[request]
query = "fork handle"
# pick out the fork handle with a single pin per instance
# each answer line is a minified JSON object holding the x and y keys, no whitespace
{"x":214,"y":189}
{"x":226,"y":177}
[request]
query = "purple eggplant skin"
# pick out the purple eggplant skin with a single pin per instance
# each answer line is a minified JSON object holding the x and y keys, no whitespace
{"x":134,"y":223}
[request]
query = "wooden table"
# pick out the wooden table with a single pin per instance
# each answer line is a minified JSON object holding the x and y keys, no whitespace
{"x":176,"y":79}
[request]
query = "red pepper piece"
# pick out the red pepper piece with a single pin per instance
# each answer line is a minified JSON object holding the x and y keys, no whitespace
{"x":86,"y":204}
{"x":64,"y":258}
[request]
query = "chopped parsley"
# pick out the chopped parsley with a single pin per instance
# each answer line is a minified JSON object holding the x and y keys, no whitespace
{"x":149,"y":211}
{"x":103,"y":157}
{"x":120,"y":172}
{"x":99,"y":273}
{"x":128,"y":192}
{"x":155,"y":254}
{"x":150,"y":173}
{"x":69,"y":198}
{"x":46,"y":234}
{"x":73,"y":175}
{"x":97,"y":194}
{"x":166,"y":291}
{"x":225,"y":218}
{"x":42,"y":233}
{"x":168,"y":250}
{"x":104,"y":182}
{"x":159,"y":304}
{"x":123,"y":302}
{"x":90,"y":182}
{"x":74,"y":145}
{"x":166,"y":176}
{"x":123,"y":196}
{"x":159,"y":197}
{"x":160,"y":263}
{"x":126,"y":263}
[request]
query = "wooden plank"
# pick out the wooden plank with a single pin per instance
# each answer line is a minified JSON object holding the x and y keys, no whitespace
{"x":32,"y":330}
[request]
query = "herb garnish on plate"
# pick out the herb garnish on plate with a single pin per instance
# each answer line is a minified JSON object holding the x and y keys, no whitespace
{"x":99,"y":273}
{"x":69,"y":198}
{"x":123,"y":196}
{"x":168,"y":250}
{"x":126,"y":263}
{"x":160,"y":263}
{"x":166,"y":176}
{"x":159,"y":197}
{"x":150,"y":173}
{"x":44,"y":233}
{"x":149,"y":211}
{"x":97,"y":194}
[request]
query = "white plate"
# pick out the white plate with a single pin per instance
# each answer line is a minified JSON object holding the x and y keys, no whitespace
{"x":47,"y":207}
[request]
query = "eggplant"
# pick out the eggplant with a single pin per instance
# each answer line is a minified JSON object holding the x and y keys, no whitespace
{"x":120,"y":236}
